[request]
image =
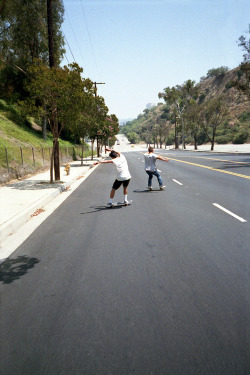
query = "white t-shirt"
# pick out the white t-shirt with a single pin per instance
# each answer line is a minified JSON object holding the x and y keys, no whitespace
{"x":150,"y":162}
{"x":122,"y":168}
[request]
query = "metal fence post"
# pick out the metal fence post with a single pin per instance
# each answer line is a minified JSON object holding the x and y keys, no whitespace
{"x":7,"y":160}
{"x":6,"y":154}
{"x":33,"y":156}
{"x":42,"y":155}
{"x":21,"y":154}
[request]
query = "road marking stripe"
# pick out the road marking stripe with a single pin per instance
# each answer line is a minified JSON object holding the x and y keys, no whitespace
{"x":213,"y":169}
{"x":203,"y":157}
{"x":230,"y":213}
{"x":177,"y":181}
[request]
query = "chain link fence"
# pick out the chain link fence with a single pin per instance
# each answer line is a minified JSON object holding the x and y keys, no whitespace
{"x":18,"y":161}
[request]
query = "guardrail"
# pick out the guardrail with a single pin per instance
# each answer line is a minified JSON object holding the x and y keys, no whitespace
{"x":17,"y":161}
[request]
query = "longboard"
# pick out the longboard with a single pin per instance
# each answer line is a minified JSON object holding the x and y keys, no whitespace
{"x":153,"y":189}
{"x":120,"y":204}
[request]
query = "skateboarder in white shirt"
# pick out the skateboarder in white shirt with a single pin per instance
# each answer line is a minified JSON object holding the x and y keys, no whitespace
{"x":123,"y":176}
{"x":150,"y":167}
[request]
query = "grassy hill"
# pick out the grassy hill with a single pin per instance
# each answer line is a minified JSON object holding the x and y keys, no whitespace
{"x":27,"y":152}
{"x":236,"y":128}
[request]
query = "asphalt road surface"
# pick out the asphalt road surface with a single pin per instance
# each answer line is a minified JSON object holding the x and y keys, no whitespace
{"x":159,"y":287}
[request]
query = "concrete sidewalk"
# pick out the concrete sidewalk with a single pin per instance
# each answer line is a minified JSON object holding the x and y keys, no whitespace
{"x":20,"y":200}
{"x":229,"y":148}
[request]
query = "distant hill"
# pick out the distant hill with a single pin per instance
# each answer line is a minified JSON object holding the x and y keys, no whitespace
{"x":236,"y":128}
{"x":122,"y":122}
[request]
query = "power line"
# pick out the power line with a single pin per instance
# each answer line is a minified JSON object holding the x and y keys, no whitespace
{"x":75,"y":36}
{"x":66,"y":58}
{"x":69,"y":47}
{"x":89,"y":37}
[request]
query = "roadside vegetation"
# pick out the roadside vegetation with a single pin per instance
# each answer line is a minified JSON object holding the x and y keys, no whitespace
{"x":216,"y":110}
{"x":23,"y":150}
{"x":62,"y":103}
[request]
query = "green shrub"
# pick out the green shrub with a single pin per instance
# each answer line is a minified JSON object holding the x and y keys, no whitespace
{"x":241,"y":137}
{"x":223,"y":139}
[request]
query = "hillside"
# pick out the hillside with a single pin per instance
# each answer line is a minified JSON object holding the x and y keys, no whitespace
{"x":22,"y":149}
{"x":222,"y":85}
{"x":237,"y":124}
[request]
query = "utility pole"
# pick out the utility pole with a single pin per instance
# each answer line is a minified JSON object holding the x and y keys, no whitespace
{"x":55,"y":154}
{"x":50,"y":34}
{"x":97,"y":83}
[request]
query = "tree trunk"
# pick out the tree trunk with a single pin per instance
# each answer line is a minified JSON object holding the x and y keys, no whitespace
{"x":212,"y":142}
{"x":44,"y":128}
{"x":92,"y":149}
{"x":175,"y":136}
{"x":82,"y":152}
{"x":97,"y":145}
{"x":195,"y":142}
{"x":56,"y":159}
{"x":51,"y":165}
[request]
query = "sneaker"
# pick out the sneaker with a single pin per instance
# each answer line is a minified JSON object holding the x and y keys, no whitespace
{"x":110,"y":205}
{"x":150,"y":187}
{"x":162,"y":187}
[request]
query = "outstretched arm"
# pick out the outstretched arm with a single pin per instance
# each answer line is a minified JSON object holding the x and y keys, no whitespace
{"x":103,"y":162}
{"x":111,"y":149}
{"x":162,"y":158}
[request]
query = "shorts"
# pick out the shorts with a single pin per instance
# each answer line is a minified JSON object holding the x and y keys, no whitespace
{"x":117,"y":184}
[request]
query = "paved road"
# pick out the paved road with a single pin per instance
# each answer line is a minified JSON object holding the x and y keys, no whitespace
{"x":159,"y":287}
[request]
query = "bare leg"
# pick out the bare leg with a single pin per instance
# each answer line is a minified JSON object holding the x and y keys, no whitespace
{"x":112,"y":193}
{"x":125,"y":190}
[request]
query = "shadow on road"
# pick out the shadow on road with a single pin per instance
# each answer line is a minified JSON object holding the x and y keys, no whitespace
{"x":13,"y":269}
{"x":145,"y":191}
{"x":101,"y":208}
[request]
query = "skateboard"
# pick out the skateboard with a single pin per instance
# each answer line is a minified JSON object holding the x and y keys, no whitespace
{"x":120,"y":204}
{"x":153,"y":189}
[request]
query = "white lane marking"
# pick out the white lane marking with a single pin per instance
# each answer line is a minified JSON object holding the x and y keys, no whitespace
{"x":230,"y":213}
{"x":177,"y":182}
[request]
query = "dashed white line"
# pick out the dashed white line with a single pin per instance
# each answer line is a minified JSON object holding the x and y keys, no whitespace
{"x":230,"y":213}
{"x":177,"y":182}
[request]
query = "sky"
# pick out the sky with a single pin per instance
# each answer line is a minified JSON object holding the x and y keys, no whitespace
{"x":139,"y":47}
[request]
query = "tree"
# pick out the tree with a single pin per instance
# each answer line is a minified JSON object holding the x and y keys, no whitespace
{"x":177,"y":97}
{"x":57,"y":94}
{"x":193,"y":118}
{"x":217,"y":72}
{"x":242,"y":83}
{"x":24,"y":38}
{"x":213,"y":113}
{"x":172,"y":97}
{"x":98,"y":113}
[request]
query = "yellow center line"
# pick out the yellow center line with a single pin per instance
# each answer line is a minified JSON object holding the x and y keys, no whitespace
{"x":213,"y":169}
{"x":203,"y":157}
